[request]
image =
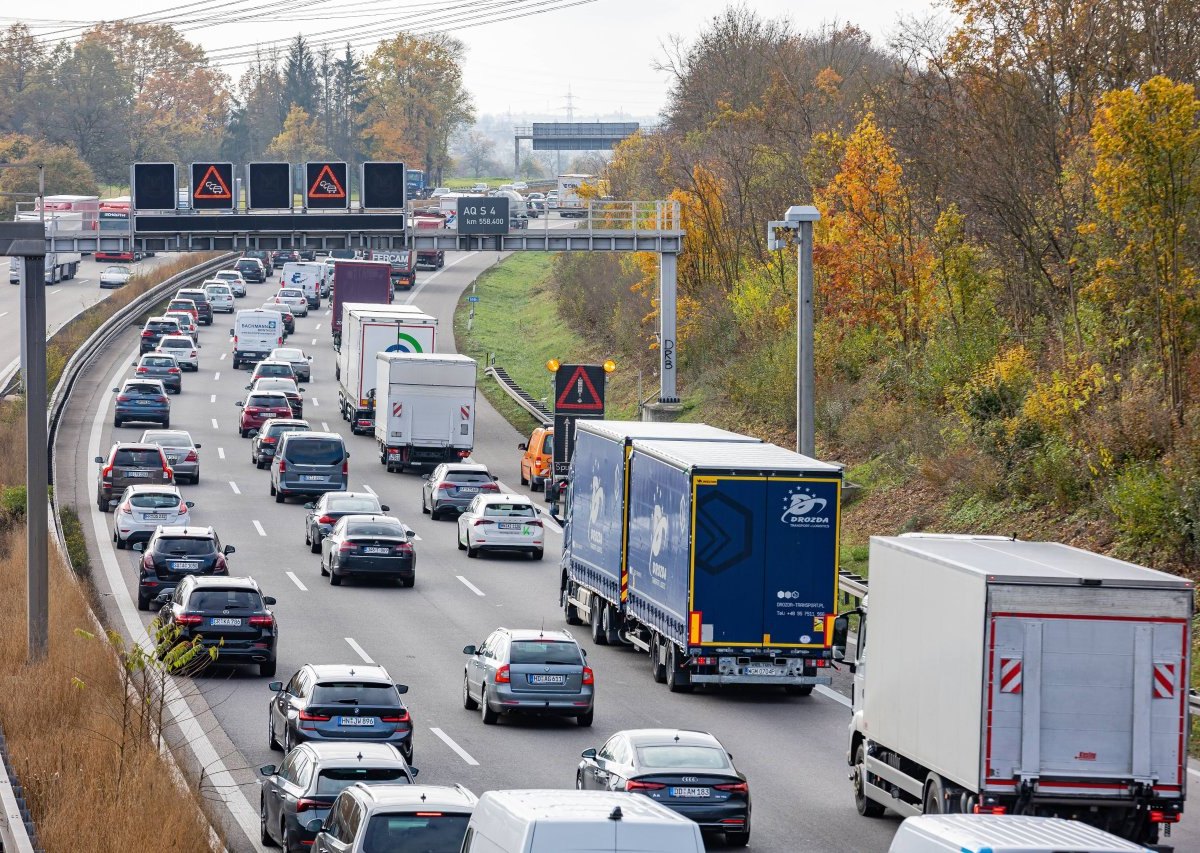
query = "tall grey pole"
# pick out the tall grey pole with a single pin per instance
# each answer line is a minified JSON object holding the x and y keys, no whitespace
{"x":668,"y":361}
{"x":805,"y":435}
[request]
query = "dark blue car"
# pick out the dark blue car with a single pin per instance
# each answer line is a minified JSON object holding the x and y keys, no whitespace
{"x":142,"y":400}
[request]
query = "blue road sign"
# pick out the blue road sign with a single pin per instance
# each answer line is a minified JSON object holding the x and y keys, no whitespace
{"x":472,"y":298}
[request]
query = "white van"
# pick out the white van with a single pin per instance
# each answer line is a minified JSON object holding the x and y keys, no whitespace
{"x":327,"y":276}
{"x":972,"y":833}
{"x":305,"y":275}
{"x":565,"y":821}
{"x":255,"y":332}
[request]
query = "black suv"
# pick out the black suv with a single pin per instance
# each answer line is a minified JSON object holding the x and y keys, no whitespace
{"x":283,"y":256}
{"x":174,"y":553}
{"x":262,"y":446}
{"x":251,"y":269}
{"x":204,"y":312}
{"x":262,"y":255}
{"x":154,"y":330}
{"x":228,"y":614}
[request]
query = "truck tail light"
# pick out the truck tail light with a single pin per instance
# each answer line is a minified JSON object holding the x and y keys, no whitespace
{"x":502,"y":675}
{"x":991,"y":810}
{"x":1160,"y":816}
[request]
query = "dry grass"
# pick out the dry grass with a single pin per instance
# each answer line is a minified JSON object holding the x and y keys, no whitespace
{"x":90,"y":787}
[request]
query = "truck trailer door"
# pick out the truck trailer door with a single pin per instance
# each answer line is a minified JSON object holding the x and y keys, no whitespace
{"x":728,"y":558}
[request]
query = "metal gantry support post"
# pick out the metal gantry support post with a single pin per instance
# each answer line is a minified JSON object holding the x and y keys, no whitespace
{"x":668,"y":272}
{"x":27,"y":240}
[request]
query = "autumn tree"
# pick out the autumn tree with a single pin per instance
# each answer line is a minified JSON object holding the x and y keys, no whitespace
{"x":300,"y":140}
{"x":66,"y":171}
{"x":1147,"y":183}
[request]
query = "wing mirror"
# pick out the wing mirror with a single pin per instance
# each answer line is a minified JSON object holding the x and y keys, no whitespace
{"x":414,"y":771}
{"x":267,"y":770}
{"x":401,"y":689}
{"x":228,"y":549}
{"x":469,"y":650}
{"x":522,"y":446}
{"x":100,"y":459}
{"x":275,"y":686}
{"x":189,"y":504}
{"x":239,"y":404}
{"x":197,"y":446}
{"x":588,"y":753}
{"x":231,"y":333}
{"x":841,"y":631}
{"x":138,"y":546}
{"x":423,"y":476}
{"x":384,"y":507}
{"x":164,"y":597}
{"x":268,"y":599}
{"x":312,"y":505}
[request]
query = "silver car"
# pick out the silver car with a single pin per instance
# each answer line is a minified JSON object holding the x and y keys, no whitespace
{"x":143,"y":509}
{"x":451,"y":487}
{"x":181,"y":452}
{"x":301,"y":363}
{"x":234,"y":279}
{"x":532,"y":671}
{"x":309,"y":463}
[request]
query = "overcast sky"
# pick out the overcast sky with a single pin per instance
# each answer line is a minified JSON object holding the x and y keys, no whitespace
{"x":602,"y":51}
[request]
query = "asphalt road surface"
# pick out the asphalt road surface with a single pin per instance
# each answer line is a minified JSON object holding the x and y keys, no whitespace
{"x":791,"y":748}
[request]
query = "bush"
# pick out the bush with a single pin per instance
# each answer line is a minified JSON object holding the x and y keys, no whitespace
{"x":1056,"y":473}
{"x":72,"y":530}
{"x":1147,"y":508}
{"x":12,"y":503}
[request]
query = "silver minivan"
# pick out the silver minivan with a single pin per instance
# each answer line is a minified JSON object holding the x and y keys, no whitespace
{"x":309,"y":463}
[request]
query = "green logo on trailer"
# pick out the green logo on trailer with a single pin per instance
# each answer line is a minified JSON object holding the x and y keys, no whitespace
{"x":405,"y":343}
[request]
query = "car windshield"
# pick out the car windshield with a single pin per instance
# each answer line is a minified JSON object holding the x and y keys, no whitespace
{"x":415,"y":832}
{"x":141,"y":388}
{"x":183,"y":304}
{"x":545,"y":652}
{"x":280,"y":429}
{"x":115,"y":270}
{"x":154,"y":500}
{"x":185,"y":546}
{"x":334,"y":780}
{"x":675,"y":756}
{"x":160,"y":361}
{"x":284,"y":370}
{"x":181,"y":439}
{"x":175,"y":343}
{"x":355,"y":693}
{"x":288,"y":355}
{"x":221,"y":290}
{"x":138,"y":458}
{"x":207,"y":600}
{"x":510,"y":510}
{"x":267,"y":401}
{"x":468,"y":477}
{"x":315,"y":451}
{"x":375,"y":528}
{"x":351,"y":506}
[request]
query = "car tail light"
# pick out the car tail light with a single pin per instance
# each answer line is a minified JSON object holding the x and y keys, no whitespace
{"x":534,"y":522}
{"x":404,"y":548}
{"x":589,"y":677}
{"x":502,"y":675}
{"x":402,"y":717}
{"x":490,"y":487}
{"x":270,"y":439}
{"x":345,"y":467}
{"x":173,"y":370}
{"x":264,"y":621}
{"x":182,"y":508}
{"x":141,"y":370}
{"x":189,"y":618}
{"x":219,"y":565}
{"x":126,"y":507}
{"x":123,"y":398}
{"x":304,"y":804}
{"x":146,"y":333}
{"x":326,"y":519}
{"x":193,"y":353}
{"x":282,"y":465}
{"x":192,"y":457}
{"x":148,"y":562}
{"x":635,"y":785}
{"x":106,"y":474}
{"x":347,"y":547}
{"x":308,"y":716}
{"x":734,"y":788}
{"x":445,"y":487}
{"x":160,"y":398}
{"x":251,"y":410}
{"x":480,"y":521}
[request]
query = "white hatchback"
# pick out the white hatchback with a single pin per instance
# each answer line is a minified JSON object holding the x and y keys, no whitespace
{"x":142,"y":509}
{"x":234,"y":279}
{"x":220,"y":296}
{"x":502,"y":522}
{"x":185,"y":350}
{"x":294,"y":298}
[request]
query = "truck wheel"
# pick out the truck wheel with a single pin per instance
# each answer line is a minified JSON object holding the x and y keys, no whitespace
{"x":599,"y":637}
{"x":862,"y":803}
{"x":934,"y":801}
{"x":612,"y":634}
{"x":570,"y":611}
{"x":658,"y":668}
{"x":678,"y":681}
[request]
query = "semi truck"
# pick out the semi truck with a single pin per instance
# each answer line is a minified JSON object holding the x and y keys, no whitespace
{"x":403,"y":265}
{"x":357,"y":281}
{"x":426,"y":408}
{"x":1000,"y":676}
{"x":430,"y":220}
{"x":60,"y":266}
{"x":367,"y":330}
{"x":726,"y":556}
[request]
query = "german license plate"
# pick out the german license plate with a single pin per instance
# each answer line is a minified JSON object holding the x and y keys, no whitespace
{"x":357,"y":721}
{"x":468,"y":490}
{"x":187,"y":567}
{"x":763,"y":670}
{"x":507,"y":525}
{"x":143,"y":402}
{"x":225,"y":622}
{"x":691,"y":793}
{"x":313,"y":478}
{"x":370,"y":550}
{"x":137,"y":473}
{"x":155,"y":516}
{"x":547,"y":679}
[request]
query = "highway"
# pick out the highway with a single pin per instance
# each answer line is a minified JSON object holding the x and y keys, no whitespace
{"x":63,"y":301}
{"x":791,"y":748}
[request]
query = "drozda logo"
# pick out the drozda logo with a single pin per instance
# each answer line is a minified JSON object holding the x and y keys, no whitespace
{"x":801,"y":509}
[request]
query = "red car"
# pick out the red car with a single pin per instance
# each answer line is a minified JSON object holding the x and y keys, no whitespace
{"x":261,"y":406}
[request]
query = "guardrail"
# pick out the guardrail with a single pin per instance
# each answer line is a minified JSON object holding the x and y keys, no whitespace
{"x":17,"y":833}
{"x":536,"y":410}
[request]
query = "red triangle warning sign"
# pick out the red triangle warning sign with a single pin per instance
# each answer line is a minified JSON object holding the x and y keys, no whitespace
{"x":326,"y":185}
{"x":212,"y":185}
{"x":579,"y":394}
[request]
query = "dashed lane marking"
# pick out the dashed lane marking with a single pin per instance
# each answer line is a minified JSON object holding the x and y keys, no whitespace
{"x":471,"y":586}
{"x":235,"y":488}
{"x":359,"y":650}
{"x":221,"y":452}
{"x":296,"y":581}
{"x":449,"y":741}
{"x":214,"y":423}
{"x":258,"y":527}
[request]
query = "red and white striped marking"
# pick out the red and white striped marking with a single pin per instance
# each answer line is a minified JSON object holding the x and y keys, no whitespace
{"x":465,"y":411}
{"x":1164,"y":681}
{"x":1010,"y":675}
{"x":397,"y":408}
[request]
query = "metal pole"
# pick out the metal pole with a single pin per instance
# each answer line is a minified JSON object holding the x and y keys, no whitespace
{"x":805,"y":435}
{"x":667,"y":267}
{"x":37,"y":475}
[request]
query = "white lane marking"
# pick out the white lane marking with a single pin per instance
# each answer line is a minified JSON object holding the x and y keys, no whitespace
{"x":192,"y":732}
{"x":832,"y":694}
{"x":324,"y":426}
{"x":5,"y":314}
{"x":449,"y":741}
{"x":221,"y":452}
{"x":471,"y":586}
{"x":1195,"y":773}
{"x":258,"y":527}
{"x":214,"y":422}
{"x":223,"y":356}
{"x":369,"y":490}
{"x":315,"y":403}
{"x":296,"y":581}
{"x":212,"y":398}
{"x":328,"y":311}
{"x":233,"y":486}
{"x":217,"y":376}
{"x":421,"y":286}
{"x":359,"y":650}
{"x":314,"y":342}
{"x":317,"y":327}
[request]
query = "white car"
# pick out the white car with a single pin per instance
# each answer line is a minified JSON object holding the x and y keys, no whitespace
{"x":142,"y":509}
{"x":439,"y":192}
{"x":294,"y":298}
{"x":301,"y":363}
{"x":480,"y":188}
{"x":187,"y":324}
{"x":185,"y":350}
{"x":520,"y":185}
{"x":234,"y":279}
{"x":220,"y":296}
{"x":115,"y":276}
{"x":503,"y":522}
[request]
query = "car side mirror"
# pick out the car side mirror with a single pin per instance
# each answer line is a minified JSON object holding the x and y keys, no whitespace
{"x":401,"y":689}
{"x":133,"y":364}
{"x":385,"y":507}
{"x":414,"y":771}
{"x":275,"y":686}
{"x":249,"y":387}
{"x":841,"y":631}
{"x":311,"y":505}
{"x":138,"y":546}
{"x":117,"y":390}
{"x":588,"y":753}
{"x":164,"y":597}
{"x":424,"y":476}
{"x":228,"y":549}
{"x":469,"y":650}
{"x":730,"y":754}
{"x":347,"y":455}
{"x":252,"y":433}
{"x":410,"y":533}
{"x":314,"y":825}
{"x":522,"y":446}
{"x":239,"y":404}
{"x":197,"y":446}
{"x":268,"y":599}
{"x":231,"y":333}
{"x":100,"y":459}
{"x":267,"y":770}
{"x":189,"y":504}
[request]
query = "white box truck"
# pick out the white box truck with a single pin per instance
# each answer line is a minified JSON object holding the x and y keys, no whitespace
{"x":255,"y":332}
{"x":369,"y":329}
{"x":426,"y":408}
{"x":307,"y":276}
{"x":997,"y":676}
{"x":60,"y":266}
{"x":569,"y":202}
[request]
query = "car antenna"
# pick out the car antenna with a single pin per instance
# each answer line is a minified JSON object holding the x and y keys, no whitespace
{"x":542,"y":628}
{"x":677,"y":737}
{"x":422,"y":798}
{"x":352,"y":670}
{"x":360,"y":755}
{"x":615,"y":814}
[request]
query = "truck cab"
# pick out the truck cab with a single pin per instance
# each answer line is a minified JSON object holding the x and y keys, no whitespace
{"x":538,"y":459}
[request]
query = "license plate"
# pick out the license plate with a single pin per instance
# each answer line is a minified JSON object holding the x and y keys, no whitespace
{"x":763,"y":670}
{"x":137,"y":473}
{"x":691,"y":792}
{"x":188,"y":567}
{"x":356,"y":721}
{"x":155,"y":516}
{"x":508,"y":525}
{"x":377,"y":550}
{"x":547,"y":679}
{"x":467,"y":490}
{"x":225,"y":622}
{"x":313,"y":478}
{"x":143,"y":402}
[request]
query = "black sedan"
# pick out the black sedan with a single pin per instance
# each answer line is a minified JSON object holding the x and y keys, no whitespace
{"x":228,"y":615}
{"x":324,"y":513}
{"x":687,"y":771}
{"x":303,"y":790}
{"x":370,"y":546}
